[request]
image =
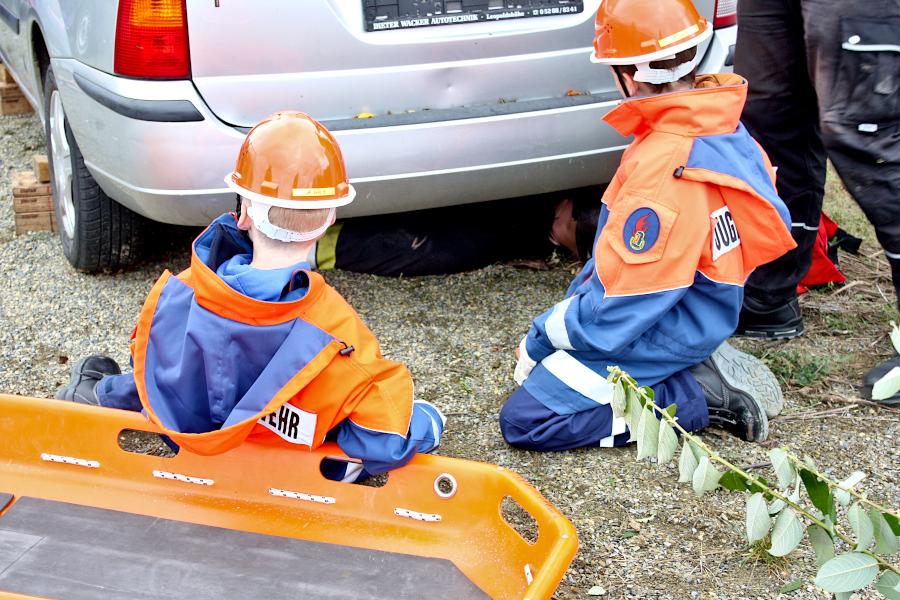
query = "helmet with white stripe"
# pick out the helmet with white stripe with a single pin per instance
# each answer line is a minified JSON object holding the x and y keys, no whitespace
{"x":292,"y":161}
{"x":639,"y":32}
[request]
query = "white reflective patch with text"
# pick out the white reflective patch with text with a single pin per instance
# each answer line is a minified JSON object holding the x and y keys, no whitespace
{"x":292,"y":424}
{"x":725,"y":236}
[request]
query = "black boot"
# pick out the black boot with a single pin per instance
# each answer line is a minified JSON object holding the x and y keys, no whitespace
{"x":776,"y":322}
{"x":734,"y":394}
{"x":876,"y":373}
{"x":85,"y":376}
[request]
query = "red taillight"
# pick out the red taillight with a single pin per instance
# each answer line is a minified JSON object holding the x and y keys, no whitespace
{"x":152,"y":39}
{"x":726,"y":13}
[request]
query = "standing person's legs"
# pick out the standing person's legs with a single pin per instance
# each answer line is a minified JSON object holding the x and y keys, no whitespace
{"x":854,"y":58}
{"x":781,"y":114}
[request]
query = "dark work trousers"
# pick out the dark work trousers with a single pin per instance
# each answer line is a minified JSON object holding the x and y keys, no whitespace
{"x":823,"y":80}
{"x":444,"y":240}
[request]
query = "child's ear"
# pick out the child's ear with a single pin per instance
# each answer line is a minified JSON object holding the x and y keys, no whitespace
{"x":244,"y":223}
{"x":631,"y":85}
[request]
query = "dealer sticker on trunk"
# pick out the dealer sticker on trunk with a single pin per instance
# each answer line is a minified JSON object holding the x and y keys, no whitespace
{"x":406,"y":14}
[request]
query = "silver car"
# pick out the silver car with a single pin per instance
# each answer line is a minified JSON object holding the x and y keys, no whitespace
{"x":434,"y":102}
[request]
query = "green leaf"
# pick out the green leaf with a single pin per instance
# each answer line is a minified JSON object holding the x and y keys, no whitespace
{"x":734,"y":482}
{"x":862,"y":526}
{"x":843,"y":596}
{"x":687,"y":463}
{"x":698,"y":451}
{"x":889,"y":585}
{"x":648,"y":394}
{"x":791,"y":587}
{"x":893,"y":522}
{"x":628,"y":534}
{"x":887,"y":386}
{"x":847,"y":572}
{"x":840,"y":494}
{"x":885,"y":538}
{"x":758,"y":520}
{"x":647,"y":434}
{"x":777,"y":507}
{"x":706,"y":477}
{"x":618,"y":400}
{"x":783,"y":467}
{"x":822,"y":543}
{"x":667,"y":444}
{"x":632,"y":408}
{"x":756,"y":488}
{"x":786,"y":534}
{"x":819,"y":493}
{"x":670,"y":410}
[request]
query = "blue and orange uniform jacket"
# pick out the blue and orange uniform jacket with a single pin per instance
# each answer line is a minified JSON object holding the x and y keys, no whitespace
{"x":690,"y":212}
{"x":214,"y":367}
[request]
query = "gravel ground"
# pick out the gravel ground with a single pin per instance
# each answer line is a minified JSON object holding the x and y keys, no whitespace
{"x":641,"y":535}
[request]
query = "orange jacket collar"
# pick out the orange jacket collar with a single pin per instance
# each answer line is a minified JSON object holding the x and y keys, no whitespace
{"x":712,"y":107}
{"x":217,"y":296}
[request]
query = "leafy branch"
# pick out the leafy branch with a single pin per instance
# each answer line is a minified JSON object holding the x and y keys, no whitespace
{"x":839,"y":574}
{"x":854,"y":478}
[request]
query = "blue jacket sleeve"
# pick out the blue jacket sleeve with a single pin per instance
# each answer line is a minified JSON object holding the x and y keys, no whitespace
{"x":381,"y":452}
{"x":587,"y":321}
{"x":583,"y":276}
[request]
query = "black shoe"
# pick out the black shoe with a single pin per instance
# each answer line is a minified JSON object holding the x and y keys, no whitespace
{"x":734,"y":395}
{"x":762,"y":320}
{"x":876,"y":373}
{"x":86,"y":373}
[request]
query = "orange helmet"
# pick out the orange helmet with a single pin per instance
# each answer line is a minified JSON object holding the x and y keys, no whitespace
{"x":631,"y":32}
{"x":290,"y":160}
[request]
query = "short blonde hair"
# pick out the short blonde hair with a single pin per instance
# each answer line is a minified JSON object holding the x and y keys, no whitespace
{"x":300,"y":220}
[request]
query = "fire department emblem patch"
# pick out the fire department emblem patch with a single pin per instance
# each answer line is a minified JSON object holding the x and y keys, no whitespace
{"x":641,"y":230}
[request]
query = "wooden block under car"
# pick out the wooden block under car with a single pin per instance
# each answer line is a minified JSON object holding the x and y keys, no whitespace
{"x":10,"y":91}
{"x":15,"y":107}
{"x":24,"y":183}
{"x":12,"y":101}
{"x":35,"y":221}
{"x":5,"y":75}
{"x":41,"y":167}
{"x":30,"y":204}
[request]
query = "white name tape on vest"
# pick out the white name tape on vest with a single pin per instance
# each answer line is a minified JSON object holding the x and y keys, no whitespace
{"x":292,"y":424}
{"x":725,"y":236}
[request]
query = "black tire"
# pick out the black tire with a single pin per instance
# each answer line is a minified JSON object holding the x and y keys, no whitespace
{"x":105,"y":235}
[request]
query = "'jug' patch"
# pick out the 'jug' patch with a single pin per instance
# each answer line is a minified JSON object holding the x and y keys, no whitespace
{"x":725,"y":236}
{"x":641,"y":230}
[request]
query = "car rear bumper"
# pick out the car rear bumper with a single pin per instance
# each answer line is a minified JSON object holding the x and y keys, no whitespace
{"x":171,"y":169}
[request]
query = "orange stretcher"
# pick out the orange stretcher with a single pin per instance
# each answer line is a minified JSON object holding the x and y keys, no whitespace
{"x":82,"y":518}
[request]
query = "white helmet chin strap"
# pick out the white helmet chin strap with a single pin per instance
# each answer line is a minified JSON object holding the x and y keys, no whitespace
{"x":259,"y":212}
{"x":648,"y":75}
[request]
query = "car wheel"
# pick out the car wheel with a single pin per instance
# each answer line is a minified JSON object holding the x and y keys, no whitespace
{"x":97,"y":232}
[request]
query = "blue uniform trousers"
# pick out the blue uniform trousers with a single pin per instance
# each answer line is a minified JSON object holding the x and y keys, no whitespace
{"x":527,"y":423}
